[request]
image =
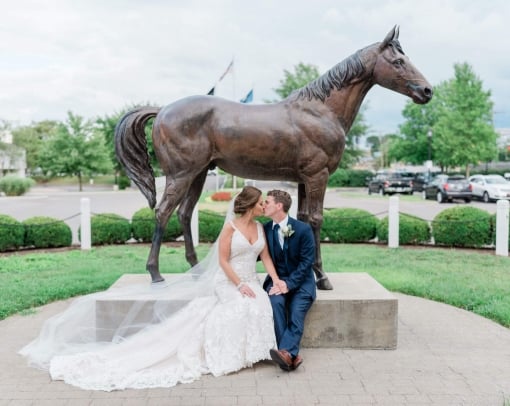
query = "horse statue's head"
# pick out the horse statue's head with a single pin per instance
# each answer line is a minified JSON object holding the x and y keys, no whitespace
{"x":393,"y":70}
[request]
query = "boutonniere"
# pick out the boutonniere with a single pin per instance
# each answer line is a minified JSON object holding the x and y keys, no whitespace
{"x":287,"y":231}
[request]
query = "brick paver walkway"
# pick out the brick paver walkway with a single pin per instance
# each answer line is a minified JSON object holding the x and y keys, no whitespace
{"x":445,"y":356}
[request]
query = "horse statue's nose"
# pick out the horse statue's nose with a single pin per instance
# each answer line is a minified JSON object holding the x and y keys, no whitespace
{"x":428,"y":92}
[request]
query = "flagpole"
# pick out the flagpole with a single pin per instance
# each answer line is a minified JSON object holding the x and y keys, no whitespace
{"x":234,"y":178}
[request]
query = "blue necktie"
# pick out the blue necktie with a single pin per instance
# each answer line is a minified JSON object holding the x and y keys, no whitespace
{"x":276,"y":239}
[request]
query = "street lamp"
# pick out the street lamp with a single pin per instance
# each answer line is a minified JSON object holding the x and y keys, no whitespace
{"x":429,"y":136}
{"x":429,"y":162}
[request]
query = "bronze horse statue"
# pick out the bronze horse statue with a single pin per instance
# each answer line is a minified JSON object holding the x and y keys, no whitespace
{"x":299,"y":139}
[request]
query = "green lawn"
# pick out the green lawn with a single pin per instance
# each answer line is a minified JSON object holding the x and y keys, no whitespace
{"x":478,"y":282}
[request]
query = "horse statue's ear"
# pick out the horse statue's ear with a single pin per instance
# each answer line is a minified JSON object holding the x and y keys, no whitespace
{"x":392,"y":35}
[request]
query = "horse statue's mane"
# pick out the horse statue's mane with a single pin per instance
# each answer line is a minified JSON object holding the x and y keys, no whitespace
{"x":338,"y":76}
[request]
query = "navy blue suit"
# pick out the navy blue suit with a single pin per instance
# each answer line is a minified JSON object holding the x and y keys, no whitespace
{"x":294,"y":265}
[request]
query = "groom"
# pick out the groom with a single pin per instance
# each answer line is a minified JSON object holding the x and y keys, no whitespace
{"x":292,"y":247}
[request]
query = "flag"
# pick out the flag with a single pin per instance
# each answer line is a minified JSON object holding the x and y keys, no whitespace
{"x":211,"y":92}
{"x":248,"y":98}
{"x":228,"y":70}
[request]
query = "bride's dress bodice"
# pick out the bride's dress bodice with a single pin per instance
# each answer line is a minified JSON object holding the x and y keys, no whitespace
{"x":243,"y":256}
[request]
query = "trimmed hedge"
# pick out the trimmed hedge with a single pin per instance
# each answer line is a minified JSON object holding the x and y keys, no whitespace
{"x":12,"y":233}
{"x":462,"y":226}
{"x":349,"y":177}
{"x":47,"y":232}
{"x":211,"y":223}
{"x":13,"y":185}
{"x":348,"y":225}
{"x":109,"y":228}
{"x":143,"y":224}
{"x":411,"y":230}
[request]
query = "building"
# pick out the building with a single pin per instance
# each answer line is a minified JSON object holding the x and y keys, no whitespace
{"x":12,"y":158}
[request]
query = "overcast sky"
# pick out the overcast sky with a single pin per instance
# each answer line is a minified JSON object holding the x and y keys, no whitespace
{"x":98,"y":57}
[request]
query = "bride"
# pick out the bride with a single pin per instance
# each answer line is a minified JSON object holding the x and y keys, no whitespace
{"x":213,"y":319}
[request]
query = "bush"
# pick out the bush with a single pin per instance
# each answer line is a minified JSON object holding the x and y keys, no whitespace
{"x":349,"y":177}
{"x":462,"y":226}
{"x":348,"y":225}
{"x":210,"y":224}
{"x":124,"y":182}
{"x":143,"y":224}
{"x":411,"y":230}
{"x":221,"y":196}
{"x":47,"y":232}
{"x":12,"y":233}
{"x":109,"y":228}
{"x":13,"y":185}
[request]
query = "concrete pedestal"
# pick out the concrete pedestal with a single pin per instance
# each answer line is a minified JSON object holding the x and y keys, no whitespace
{"x":358,"y":313}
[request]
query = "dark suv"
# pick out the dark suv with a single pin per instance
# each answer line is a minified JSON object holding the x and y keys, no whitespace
{"x":445,"y":188}
{"x":388,"y":183}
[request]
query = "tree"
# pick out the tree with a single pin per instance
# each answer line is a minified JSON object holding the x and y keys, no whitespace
{"x":31,"y":138}
{"x":76,"y":149}
{"x":460,"y":120}
{"x":464,"y":133}
{"x":412,"y":144}
{"x":304,"y":74}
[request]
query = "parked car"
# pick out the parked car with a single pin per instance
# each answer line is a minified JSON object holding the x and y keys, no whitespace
{"x":388,"y":183}
{"x":490,"y":188}
{"x":421,"y":179}
{"x":445,"y":188}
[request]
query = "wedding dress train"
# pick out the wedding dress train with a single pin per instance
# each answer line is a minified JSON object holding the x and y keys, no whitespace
{"x":219,"y":331}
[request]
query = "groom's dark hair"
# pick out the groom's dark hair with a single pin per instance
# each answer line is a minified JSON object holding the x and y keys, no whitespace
{"x":281,"y":196}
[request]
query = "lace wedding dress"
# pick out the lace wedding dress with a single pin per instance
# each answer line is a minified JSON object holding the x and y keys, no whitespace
{"x":219,"y":331}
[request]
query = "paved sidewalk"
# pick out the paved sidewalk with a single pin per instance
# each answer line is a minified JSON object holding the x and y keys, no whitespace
{"x":445,"y":356}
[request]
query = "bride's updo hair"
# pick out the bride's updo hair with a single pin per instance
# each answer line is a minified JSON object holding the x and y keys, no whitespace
{"x":246,"y":199}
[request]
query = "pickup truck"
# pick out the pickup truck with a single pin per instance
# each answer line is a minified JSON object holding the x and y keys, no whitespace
{"x":388,"y":183}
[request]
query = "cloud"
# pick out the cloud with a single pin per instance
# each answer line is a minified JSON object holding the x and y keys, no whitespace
{"x":95,"y":57}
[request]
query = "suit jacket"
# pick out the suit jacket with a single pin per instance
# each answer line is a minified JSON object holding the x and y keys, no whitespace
{"x":299,"y":253}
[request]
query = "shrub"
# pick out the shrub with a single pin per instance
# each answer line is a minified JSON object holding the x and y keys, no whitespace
{"x":143,"y":224}
{"x":210,"y":224}
{"x":411,"y":230}
{"x":109,"y":228}
{"x":221,"y":196}
{"x":124,"y":182}
{"x":348,"y":225}
{"x":462,"y":226}
{"x":47,"y":232}
{"x":349,"y":177}
{"x":12,"y":233}
{"x":13,"y":185}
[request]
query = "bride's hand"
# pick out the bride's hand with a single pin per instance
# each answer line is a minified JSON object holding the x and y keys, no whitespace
{"x":282,"y":286}
{"x":246,"y":291}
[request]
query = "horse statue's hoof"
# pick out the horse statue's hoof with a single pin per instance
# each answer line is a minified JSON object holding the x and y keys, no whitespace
{"x":324,"y":283}
{"x":156,"y":277}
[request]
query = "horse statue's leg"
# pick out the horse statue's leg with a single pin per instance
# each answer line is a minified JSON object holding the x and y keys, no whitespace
{"x":172,"y":196}
{"x":314,"y":193}
{"x":185,"y":212}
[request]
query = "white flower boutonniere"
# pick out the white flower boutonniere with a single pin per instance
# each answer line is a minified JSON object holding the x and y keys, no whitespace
{"x":287,"y":231}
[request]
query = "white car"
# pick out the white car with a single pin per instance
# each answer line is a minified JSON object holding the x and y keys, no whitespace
{"x":490,"y":187}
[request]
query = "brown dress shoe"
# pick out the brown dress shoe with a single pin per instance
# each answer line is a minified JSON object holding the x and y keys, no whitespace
{"x":297,"y":362}
{"x":282,"y":358}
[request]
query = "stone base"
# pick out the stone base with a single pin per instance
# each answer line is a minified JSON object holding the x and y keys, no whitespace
{"x":358,"y":313}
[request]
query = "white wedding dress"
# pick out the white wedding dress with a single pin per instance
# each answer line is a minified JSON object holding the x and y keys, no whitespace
{"x":219,"y":331}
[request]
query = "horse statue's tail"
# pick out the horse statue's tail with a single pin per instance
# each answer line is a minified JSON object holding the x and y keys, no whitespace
{"x":131,"y":150}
